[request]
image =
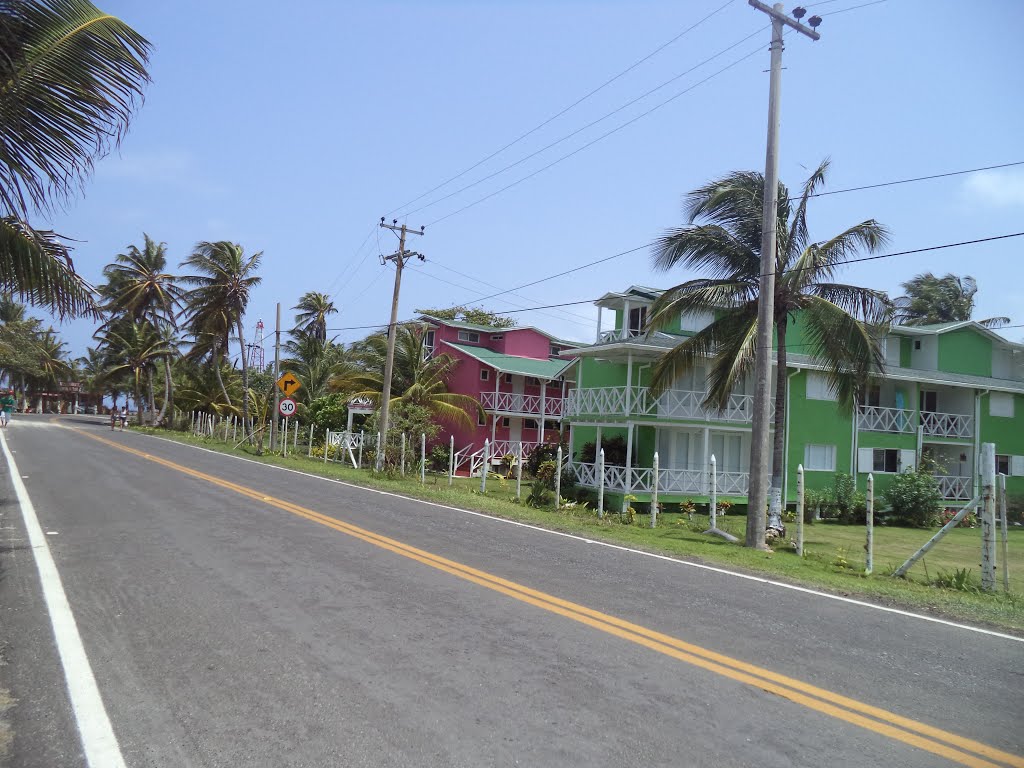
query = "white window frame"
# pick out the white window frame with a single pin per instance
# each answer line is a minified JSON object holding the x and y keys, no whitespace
{"x":695,"y":321}
{"x":1000,"y":404}
{"x":497,"y":336}
{"x":1007,"y":459}
{"x":819,"y":387}
{"x":485,"y":374}
{"x":829,"y":463}
{"x":471,"y":336}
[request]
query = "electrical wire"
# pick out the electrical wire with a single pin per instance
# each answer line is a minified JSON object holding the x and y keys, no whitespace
{"x":576,"y":103}
{"x":591,"y":124}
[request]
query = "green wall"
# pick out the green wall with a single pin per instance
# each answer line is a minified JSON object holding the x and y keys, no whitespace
{"x":965,"y":351}
{"x":1007,"y":434}
{"x":818,"y":422}
{"x":906,"y":351}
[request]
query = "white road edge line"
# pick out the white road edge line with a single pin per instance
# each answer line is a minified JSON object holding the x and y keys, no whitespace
{"x":98,"y":740}
{"x":619,"y":547}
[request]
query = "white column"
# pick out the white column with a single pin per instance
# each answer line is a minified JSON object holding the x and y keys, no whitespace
{"x":599,"y":313}
{"x":629,"y":381}
{"x":704,"y":458}
{"x":624,"y":333}
{"x":350,"y":416}
{"x":543,"y":407}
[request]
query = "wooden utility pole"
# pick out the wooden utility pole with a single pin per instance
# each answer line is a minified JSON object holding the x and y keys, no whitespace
{"x":277,"y":375}
{"x":757,"y":490}
{"x":399,"y":257}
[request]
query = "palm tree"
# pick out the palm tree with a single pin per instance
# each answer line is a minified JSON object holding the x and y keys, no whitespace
{"x":949,"y":299}
{"x":94,"y":371}
{"x":70,"y":78}
{"x":52,"y":363}
{"x":315,"y":362}
{"x":140,"y":287}
{"x":134,"y":348}
{"x":415,"y":380}
{"x":219,"y":299}
{"x":840,"y":323}
{"x":314,"y":309}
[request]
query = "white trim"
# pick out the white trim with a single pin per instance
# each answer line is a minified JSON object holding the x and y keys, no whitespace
{"x":97,"y":734}
{"x":620,"y":548}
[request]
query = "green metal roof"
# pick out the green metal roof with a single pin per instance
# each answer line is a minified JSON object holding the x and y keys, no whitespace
{"x":525,"y":366}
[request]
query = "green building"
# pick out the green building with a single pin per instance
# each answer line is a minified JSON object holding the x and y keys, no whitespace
{"x":947,"y":388}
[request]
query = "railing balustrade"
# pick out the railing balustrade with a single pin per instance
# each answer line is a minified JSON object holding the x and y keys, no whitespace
{"x":947,"y":424}
{"x":955,"y":488}
{"x":671,"y":404}
{"x":679,"y":481}
{"x":510,"y":402}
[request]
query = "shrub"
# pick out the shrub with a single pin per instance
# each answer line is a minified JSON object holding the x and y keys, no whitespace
{"x":540,"y":454}
{"x":437,"y":458}
{"x":328,"y":412}
{"x":546,"y":473}
{"x":914,"y":499}
{"x":970,"y":520}
{"x":539,"y":496}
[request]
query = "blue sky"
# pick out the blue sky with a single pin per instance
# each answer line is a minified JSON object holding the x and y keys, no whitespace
{"x":292,"y":128}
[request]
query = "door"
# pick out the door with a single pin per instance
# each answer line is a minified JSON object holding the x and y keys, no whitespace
{"x":929,"y":401}
{"x":637,"y":320}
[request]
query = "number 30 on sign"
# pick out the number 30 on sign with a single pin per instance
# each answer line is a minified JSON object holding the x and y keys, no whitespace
{"x":286,"y":407}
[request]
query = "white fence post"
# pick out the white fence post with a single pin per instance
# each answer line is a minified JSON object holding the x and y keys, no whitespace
{"x":451,"y":459}
{"x":713,"y":503}
{"x":800,"y":496}
{"x":327,"y":444}
{"x":869,"y":561}
{"x":654,"y":491}
{"x":359,"y":457}
{"x":988,"y":516}
{"x":558,"y":478}
{"x":600,"y":484}
{"x":295,"y":438}
{"x":519,"y":477}
{"x":309,"y":452}
{"x":402,"y":460}
{"x":1003,"y":524}
{"x":483,"y":465}
{"x":380,"y":457}
{"x":423,"y":458}
{"x":234,"y":429}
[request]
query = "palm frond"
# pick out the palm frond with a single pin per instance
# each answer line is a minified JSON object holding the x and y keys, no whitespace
{"x":71,"y":78}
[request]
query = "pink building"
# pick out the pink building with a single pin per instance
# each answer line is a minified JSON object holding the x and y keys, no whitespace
{"x":514,"y":373}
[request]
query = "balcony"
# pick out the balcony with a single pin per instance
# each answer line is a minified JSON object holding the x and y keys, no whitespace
{"x":955,"y":488}
{"x":670,"y":481}
{"x":873,"y":418}
{"x":638,"y":401}
{"x":522,"y":405}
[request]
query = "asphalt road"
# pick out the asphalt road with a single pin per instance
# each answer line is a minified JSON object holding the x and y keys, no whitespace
{"x":231,"y":620}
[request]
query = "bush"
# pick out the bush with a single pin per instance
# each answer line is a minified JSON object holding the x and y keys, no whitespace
{"x":546,"y":473}
{"x":437,"y":458}
{"x":328,"y":412}
{"x":539,"y":455}
{"x":914,"y":500}
{"x":539,"y":496}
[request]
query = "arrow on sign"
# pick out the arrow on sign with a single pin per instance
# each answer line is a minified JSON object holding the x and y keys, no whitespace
{"x":289,"y":384}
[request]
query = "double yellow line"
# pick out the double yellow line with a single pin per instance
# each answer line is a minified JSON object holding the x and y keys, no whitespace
{"x":935,"y":740}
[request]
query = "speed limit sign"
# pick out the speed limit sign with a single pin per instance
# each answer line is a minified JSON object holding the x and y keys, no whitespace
{"x":286,"y":407}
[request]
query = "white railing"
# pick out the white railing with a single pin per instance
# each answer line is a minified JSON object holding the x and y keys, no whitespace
{"x":619,"y":334}
{"x":673,"y":481}
{"x":873,"y":418}
{"x":345,"y":440}
{"x":955,"y":488}
{"x":496,"y":451}
{"x":461,"y":457}
{"x":530,"y":405}
{"x":947,"y":424}
{"x":671,"y":404}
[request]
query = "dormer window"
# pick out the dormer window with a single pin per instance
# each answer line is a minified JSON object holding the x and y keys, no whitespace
{"x":471,"y":336}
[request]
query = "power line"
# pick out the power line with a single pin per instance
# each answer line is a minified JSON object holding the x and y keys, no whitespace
{"x":591,"y":124}
{"x":599,"y":138}
{"x":916,"y":178}
{"x":576,"y":103}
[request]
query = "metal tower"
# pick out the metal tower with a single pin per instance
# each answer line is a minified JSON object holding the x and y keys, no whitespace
{"x":255,"y":349}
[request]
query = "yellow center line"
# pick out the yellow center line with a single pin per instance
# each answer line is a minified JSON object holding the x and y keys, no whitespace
{"x":875,"y":719}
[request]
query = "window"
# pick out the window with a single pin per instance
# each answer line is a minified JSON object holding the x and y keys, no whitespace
{"x":485,"y":374}
{"x":917,"y":343}
{"x":505,"y":421}
{"x":728,"y":452}
{"x":820,"y":458}
{"x":481,"y":419}
{"x":529,"y":423}
{"x":471,"y":336}
{"x":497,"y":336}
{"x":892,"y":350}
{"x":549,"y":424}
{"x":1002,"y":464}
{"x":1000,"y":404}
{"x":508,"y":378}
{"x":428,"y":344}
{"x":533,"y":381}
{"x":696,"y":321}
{"x":637,"y":320}
{"x":886,"y":460}
{"x":553,"y":351}
{"x":819,"y":388}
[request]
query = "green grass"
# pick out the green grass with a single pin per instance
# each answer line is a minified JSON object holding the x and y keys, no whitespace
{"x":834,"y":559}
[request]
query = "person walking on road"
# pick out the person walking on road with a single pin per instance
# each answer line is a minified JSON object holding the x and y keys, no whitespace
{"x":7,"y":403}
{"x":113,"y":417}
{"x":124,"y":416}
